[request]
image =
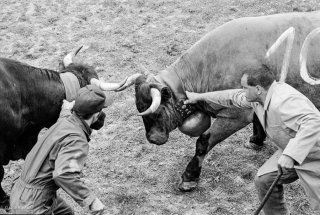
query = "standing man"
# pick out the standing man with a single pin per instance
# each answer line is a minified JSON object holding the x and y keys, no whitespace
{"x":58,"y":158}
{"x":291,"y":121}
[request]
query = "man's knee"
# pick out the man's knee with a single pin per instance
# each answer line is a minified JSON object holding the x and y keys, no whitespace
{"x":263,"y":182}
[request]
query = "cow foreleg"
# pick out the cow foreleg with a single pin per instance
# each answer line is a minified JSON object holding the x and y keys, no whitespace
{"x":220,"y":130}
{"x":4,"y":198}
{"x":259,"y":135}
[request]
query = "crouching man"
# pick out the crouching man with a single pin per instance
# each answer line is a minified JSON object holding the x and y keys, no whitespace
{"x":291,"y":121}
{"x":58,"y":157}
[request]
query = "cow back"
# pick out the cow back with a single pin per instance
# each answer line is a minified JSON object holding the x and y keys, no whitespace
{"x":217,"y":61}
{"x":30,"y":98}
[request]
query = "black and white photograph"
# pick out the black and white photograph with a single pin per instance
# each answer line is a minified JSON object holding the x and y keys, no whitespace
{"x":160,"y":107}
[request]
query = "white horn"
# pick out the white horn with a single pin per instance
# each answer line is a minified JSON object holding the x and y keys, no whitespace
{"x":107,"y":86}
{"x":68,"y":59}
{"x":156,"y":101}
{"x":289,"y":35}
{"x":129,"y":81}
{"x":303,"y":58}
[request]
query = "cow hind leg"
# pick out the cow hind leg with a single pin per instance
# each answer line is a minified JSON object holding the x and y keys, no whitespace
{"x":220,"y":130}
{"x":20,"y":148}
{"x":4,"y":198}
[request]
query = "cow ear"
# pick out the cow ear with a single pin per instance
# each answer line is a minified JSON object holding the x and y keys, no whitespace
{"x":165,"y":91}
{"x":166,"y":94}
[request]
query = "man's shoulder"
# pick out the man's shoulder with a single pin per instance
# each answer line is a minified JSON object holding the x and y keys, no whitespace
{"x":282,"y":91}
{"x":67,"y":127}
{"x":285,"y":95}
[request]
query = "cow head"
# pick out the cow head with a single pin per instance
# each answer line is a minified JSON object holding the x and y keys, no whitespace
{"x":155,"y":103}
{"x":161,"y":112}
{"x":85,"y":74}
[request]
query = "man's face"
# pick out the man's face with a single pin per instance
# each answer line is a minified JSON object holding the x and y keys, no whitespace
{"x":252,"y":92}
{"x":98,"y":120}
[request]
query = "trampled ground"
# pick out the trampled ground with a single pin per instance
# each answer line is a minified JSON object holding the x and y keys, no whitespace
{"x":130,"y":175}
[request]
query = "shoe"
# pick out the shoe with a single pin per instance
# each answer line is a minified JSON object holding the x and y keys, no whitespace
{"x":250,"y":145}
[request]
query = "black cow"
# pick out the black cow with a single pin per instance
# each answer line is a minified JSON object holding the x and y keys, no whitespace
{"x":217,"y":62}
{"x":31,"y":99}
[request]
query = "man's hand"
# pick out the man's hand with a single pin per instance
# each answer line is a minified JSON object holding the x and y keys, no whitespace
{"x":286,"y":162}
{"x":192,"y":98}
{"x":97,"y":207}
{"x":67,"y":105}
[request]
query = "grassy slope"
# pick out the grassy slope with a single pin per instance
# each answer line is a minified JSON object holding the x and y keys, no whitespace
{"x":130,"y":175}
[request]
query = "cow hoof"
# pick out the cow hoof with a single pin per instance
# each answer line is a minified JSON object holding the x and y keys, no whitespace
{"x":187,"y":186}
{"x":253,"y":146}
{"x":5,"y":203}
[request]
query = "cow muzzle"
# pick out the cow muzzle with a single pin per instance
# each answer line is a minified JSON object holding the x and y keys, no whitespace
{"x":158,"y":138}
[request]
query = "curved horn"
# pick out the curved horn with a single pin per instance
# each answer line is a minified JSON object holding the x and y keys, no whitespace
{"x":107,"y":86}
{"x":303,"y":58}
{"x":129,"y":81}
{"x":67,"y":60}
{"x":156,"y":101}
{"x":289,"y":35}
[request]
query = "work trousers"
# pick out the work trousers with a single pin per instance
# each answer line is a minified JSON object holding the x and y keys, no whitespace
{"x":31,"y":199}
{"x":275,"y":205}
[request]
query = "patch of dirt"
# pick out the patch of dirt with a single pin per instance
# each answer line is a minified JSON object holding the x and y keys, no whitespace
{"x":130,"y":175}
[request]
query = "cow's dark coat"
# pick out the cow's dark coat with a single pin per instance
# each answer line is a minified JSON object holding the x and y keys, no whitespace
{"x":30,"y":99}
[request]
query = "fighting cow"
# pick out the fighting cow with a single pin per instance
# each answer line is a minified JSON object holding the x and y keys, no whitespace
{"x":31,"y":99}
{"x":217,"y":62}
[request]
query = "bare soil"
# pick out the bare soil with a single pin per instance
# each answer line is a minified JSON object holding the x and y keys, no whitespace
{"x":130,"y":175}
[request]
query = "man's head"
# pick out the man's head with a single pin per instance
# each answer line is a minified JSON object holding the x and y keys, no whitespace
{"x":89,"y":103}
{"x":256,"y":83}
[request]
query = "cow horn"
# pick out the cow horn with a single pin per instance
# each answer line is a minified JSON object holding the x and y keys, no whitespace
{"x":303,"y":58}
{"x":156,"y":101}
{"x":107,"y":86}
{"x":67,"y":60}
{"x":289,"y":35}
{"x":128,"y":82}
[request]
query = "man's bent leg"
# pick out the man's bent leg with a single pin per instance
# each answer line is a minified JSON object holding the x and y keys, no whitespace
{"x":275,"y":205}
{"x":258,"y":136}
{"x":59,"y":206}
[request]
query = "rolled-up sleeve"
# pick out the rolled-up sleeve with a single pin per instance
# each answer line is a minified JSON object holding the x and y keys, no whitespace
{"x":68,"y":166}
{"x":234,"y":98}
{"x":300,"y":115}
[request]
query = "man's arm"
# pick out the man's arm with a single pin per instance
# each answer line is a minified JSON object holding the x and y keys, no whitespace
{"x":234,"y":98}
{"x":300,"y":115}
{"x":68,"y":166}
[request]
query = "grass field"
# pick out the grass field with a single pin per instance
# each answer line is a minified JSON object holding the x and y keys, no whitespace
{"x":130,"y":175}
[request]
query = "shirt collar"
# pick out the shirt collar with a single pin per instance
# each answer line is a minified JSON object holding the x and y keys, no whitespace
{"x":269,"y":95}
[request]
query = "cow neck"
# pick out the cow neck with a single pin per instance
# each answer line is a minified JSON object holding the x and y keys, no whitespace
{"x":172,"y":80}
{"x":71,"y":85}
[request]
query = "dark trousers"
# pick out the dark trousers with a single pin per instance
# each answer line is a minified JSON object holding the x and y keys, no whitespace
{"x":275,"y":204}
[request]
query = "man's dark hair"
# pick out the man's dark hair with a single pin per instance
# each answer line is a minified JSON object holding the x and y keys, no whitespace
{"x":262,"y":76}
